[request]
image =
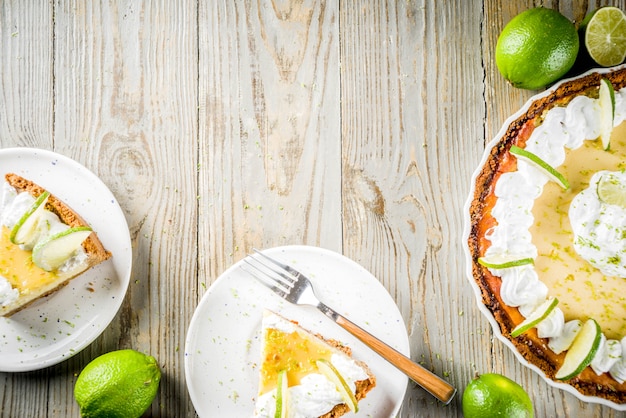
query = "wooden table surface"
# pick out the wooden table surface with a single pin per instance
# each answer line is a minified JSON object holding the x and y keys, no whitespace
{"x":219,"y":126}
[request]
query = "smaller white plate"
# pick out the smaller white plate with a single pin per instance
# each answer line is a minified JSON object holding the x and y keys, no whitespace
{"x":58,"y":326}
{"x":223,"y":344}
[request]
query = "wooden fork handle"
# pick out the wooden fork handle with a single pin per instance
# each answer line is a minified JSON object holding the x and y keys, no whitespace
{"x":432,"y":383}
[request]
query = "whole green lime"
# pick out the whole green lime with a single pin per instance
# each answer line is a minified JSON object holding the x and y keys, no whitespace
{"x":536,"y":48}
{"x":493,"y":395}
{"x":119,"y":384}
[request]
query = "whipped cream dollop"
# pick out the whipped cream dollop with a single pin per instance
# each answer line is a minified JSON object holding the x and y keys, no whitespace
{"x":562,"y":341}
{"x":600,"y":228}
{"x":315,"y":395}
{"x":8,"y":294}
{"x":618,"y":370}
{"x":609,"y":352}
{"x":562,"y":128}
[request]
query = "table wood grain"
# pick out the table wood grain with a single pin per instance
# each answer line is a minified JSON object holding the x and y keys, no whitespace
{"x":351,"y":125}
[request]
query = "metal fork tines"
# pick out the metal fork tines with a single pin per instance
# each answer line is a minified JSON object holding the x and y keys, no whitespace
{"x":283,"y":280}
{"x":295,"y":287}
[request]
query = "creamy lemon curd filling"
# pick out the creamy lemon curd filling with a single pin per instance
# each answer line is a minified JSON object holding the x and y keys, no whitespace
{"x":576,"y":240}
{"x":18,"y":274}
{"x":291,"y":352}
{"x":311,"y":394}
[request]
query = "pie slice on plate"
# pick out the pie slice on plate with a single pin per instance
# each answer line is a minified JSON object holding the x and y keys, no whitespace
{"x":306,"y":375}
{"x":546,"y":235}
{"x":43,"y":244}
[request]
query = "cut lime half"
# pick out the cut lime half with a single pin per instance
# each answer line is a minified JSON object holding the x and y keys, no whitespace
{"x":50,"y":253}
{"x":543,"y":166}
{"x":605,"y":36}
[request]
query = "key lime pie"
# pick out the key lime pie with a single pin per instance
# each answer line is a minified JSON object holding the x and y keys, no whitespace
{"x":43,"y":244}
{"x":304,"y":375}
{"x":547,"y":234}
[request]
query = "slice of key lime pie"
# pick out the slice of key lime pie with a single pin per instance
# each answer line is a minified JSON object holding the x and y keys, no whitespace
{"x":43,"y":244}
{"x":547,"y":234}
{"x":305,"y":375}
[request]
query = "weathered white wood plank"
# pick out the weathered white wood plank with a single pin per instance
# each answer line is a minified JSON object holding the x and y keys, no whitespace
{"x":409,"y":94}
{"x":126,"y":107}
{"x":26,"y":119}
{"x":26,"y":74}
{"x":269,"y":171}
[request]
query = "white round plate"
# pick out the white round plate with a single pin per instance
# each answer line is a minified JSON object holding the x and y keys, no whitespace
{"x":468,"y":256}
{"x":223,"y":344}
{"x":58,"y":326}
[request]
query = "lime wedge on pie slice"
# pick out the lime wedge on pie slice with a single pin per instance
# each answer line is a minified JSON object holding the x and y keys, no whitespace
{"x":543,"y":166}
{"x":24,"y":231}
{"x":328,"y":370}
{"x":536,"y":317}
{"x":582,"y":351}
{"x":282,"y":395}
{"x":50,"y":253}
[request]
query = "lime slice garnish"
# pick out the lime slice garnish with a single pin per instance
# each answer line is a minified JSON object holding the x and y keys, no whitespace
{"x":546,"y":168}
{"x":607,"y":111}
{"x":611,"y":190}
{"x":582,"y":351}
{"x":25,"y":230}
{"x":327,"y":369}
{"x":605,"y":36}
{"x":501,"y":262}
{"x":536,"y":317}
{"x":282,"y":395}
{"x":50,"y":253}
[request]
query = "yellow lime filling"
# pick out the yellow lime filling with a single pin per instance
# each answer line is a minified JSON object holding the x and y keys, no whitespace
{"x":16,"y":265}
{"x":294,"y":352}
{"x":583,"y":291}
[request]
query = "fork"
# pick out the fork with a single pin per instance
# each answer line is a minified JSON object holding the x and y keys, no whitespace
{"x":296,"y":288}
